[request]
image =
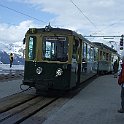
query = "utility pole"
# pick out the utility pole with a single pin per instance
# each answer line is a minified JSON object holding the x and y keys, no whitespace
{"x":122,"y":42}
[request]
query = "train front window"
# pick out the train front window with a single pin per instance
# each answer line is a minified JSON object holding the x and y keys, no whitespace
{"x":55,"y":49}
{"x":32,"y":47}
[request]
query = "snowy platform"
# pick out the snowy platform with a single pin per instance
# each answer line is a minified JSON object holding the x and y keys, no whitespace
{"x":5,"y":68}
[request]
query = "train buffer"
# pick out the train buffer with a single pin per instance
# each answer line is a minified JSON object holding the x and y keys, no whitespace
{"x":95,"y":104}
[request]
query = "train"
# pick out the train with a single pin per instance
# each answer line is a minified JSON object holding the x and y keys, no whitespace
{"x":58,"y":60}
{"x":107,"y":57}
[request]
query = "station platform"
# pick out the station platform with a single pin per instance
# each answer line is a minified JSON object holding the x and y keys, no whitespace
{"x":95,"y":104}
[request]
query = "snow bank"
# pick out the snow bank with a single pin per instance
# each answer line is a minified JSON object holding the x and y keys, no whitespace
{"x":14,"y":67}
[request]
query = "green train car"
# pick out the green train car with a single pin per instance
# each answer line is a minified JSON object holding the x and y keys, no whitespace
{"x":107,"y":57}
{"x":57,"y":60}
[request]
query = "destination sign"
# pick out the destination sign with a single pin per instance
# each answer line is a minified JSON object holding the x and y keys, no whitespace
{"x":56,"y":38}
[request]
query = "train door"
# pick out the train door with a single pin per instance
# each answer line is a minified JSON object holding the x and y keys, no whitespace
{"x":75,"y":69}
{"x":30,"y":60}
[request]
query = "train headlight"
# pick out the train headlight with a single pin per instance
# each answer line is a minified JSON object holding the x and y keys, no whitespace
{"x":39,"y":70}
{"x":59,"y":72}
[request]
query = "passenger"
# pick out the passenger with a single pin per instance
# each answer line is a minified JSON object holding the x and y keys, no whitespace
{"x":115,"y":68}
{"x":11,"y":59}
{"x":121,"y":83}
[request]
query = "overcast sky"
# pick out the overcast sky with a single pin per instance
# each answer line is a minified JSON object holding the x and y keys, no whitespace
{"x":88,"y":17}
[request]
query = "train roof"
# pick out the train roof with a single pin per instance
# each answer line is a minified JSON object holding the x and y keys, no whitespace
{"x":50,"y":29}
{"x":68,"y":32}
{"x":101,"y":45}
{"x":57,"y":30}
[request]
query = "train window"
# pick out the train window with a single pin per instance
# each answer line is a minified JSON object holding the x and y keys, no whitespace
{"x":75,"y":46}
{"x":84,"y":51}
{"x":101,"y":54}
{"x":110,"y":58}
{"x":107,"y":56}
{"x":96,"y":54}
{"x":32,"y":47}
{"x":75,"y":54}
{"x":92,"y":54}
{"x":55,"y":49}
{"x":88,"y":52}
{"x":104,"y":56}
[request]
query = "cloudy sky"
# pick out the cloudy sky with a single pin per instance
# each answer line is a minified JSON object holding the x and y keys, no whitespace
{"x":88,"y":17}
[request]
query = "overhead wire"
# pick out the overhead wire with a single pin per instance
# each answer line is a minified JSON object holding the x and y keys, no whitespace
{"x":90,"y":19}
{"x":25,"y":14}
{"x":46,"y":22}
{"x":83,"y":14}
{"x":22,"y":13}
{"x":106,"y":27}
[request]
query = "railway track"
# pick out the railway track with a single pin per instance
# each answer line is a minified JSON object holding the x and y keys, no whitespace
{"x":10,"y":75}
{"x":27,"y":107}
{"x":19,"y":107}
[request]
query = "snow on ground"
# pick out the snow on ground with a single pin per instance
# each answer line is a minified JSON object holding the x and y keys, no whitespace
{"x":14,"y":67}
{"x":5,"y":68}
{"x":9,"y":87}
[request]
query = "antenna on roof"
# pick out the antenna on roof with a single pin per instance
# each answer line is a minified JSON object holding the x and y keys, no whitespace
{"x":47,"y":28}
{"x":49,"y":25}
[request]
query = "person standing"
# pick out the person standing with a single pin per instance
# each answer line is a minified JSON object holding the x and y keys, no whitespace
{"x":121,"y":83}
{"x":11,"y":59}
{"x":115,"y":68}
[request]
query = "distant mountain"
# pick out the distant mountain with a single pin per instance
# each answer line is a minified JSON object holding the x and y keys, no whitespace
{"x":16,"y":48}
{"x":4,"y":58}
